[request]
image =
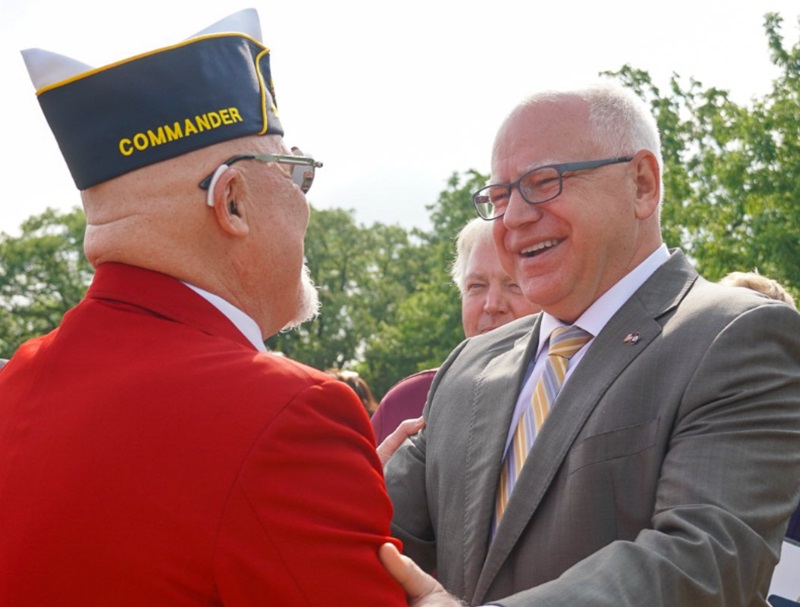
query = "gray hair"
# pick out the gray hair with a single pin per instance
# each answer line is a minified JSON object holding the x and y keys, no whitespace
{"x":475,"y":231}
{"x":757,"y":282}
{"x":621,"y":122}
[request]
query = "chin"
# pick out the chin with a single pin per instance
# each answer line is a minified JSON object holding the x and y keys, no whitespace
{"x":308,"y":304}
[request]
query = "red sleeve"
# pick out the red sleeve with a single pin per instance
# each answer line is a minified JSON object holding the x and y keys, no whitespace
{"x":309,"y":511}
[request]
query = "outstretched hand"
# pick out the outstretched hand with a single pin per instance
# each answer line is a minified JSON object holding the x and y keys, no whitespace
{"x":408,"y":427}
{"x":422,"y":589}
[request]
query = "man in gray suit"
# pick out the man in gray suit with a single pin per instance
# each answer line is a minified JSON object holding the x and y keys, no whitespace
{"x":667,"y":466}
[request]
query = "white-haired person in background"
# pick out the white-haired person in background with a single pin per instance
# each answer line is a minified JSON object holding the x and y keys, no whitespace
{"x":489,"y":299}
{"x":756,"y":281}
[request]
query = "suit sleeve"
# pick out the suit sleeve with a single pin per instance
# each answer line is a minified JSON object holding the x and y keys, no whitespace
{"x":727,"y":486}
{"x":309,"y":511}
{"x":406,"y":484}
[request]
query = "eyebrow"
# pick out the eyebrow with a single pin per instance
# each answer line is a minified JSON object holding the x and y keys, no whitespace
{"x":473,"y":275}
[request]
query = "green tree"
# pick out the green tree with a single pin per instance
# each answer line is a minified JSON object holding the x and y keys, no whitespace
{"x":389,"y":307}
{"x":732,"y":181}
{"x":42,"y":275}
{"x":427,"y":324}
{"x":731,"y":172}
{"x":361,"y":273}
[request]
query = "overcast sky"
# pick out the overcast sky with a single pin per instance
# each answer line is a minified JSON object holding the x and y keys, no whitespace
{"x":392,"y":97}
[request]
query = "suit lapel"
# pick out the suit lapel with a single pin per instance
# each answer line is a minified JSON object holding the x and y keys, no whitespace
{"x":624,"y":337}
{"x":494,"y":397}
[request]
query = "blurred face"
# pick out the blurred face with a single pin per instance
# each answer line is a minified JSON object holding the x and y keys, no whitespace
{"x":567,"y":252}
{"x":491,"y":297}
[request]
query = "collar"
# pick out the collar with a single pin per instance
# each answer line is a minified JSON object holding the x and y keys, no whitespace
{"x":600,"y":312}
{"x":246,"y":325}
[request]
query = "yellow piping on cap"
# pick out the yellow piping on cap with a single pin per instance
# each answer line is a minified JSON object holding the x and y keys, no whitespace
{"x":97,"y":70}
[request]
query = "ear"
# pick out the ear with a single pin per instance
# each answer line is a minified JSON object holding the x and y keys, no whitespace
{"x":224,"y":195}
{"x":647,"y":178}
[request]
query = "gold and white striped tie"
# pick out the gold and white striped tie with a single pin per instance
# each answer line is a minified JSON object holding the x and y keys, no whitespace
{"x":564,"y":343}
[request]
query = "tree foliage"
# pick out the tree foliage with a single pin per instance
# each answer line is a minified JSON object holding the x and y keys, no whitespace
{"x":732,"y":182}
{"x":361,"y":273}
{"x":42,"y":275}
{"x":426,"y":324}
{"x":389,"y":307}
{"x":731,"y":176}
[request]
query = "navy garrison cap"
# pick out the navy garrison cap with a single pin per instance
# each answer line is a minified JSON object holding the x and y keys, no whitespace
{"x":108,"y":121}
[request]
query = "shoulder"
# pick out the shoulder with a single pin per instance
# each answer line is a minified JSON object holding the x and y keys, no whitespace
{"x":468,"y":360}
{"x":286,"y":378}
{"x":728,"y":303}
{"x":508,"y":332}
{"x":677,"y":294}
{"x":269,"y":390}
{"x":731,"y":324}
{"x":495,"y":342}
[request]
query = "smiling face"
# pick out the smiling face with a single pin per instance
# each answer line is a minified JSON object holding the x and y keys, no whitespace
{"x":567,"y":252}
{"x":490,"y":296}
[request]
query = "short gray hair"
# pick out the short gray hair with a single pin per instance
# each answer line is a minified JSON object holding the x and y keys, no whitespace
{"x":757,"y":282}
{"x":475,"y":231}
{"x":622,"y":123}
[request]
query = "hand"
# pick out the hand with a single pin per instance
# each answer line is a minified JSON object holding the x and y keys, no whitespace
{"x":408,"y":427}
{"x":422,"y":589}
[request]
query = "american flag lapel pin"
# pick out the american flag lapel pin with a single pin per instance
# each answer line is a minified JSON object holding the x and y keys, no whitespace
{"x":631,"y":339}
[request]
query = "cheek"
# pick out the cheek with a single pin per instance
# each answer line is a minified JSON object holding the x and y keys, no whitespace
{"x":305,"y":210}
{"x":296,"y":210}
{"x":471,"y":309}
{"x":499,"y":232}
{"x":505,"y":258}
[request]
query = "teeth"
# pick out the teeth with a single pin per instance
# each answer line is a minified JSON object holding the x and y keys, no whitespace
{"x":539,"y":247}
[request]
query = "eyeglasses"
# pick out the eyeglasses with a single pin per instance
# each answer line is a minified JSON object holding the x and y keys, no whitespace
{"x":536,"y":186}
{"x":303,"y":167}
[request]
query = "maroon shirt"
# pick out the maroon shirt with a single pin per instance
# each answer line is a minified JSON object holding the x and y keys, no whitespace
{"x":404,"y":400}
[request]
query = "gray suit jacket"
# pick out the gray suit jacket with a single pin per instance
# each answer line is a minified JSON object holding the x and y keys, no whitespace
{"x":664,"y":475}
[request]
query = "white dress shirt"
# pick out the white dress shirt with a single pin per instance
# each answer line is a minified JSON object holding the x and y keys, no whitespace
{"x":246,"y":325}
{"x":592,"y":321}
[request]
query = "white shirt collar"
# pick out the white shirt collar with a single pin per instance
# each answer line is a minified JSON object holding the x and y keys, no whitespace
{"x":246,"y":325}
{"x":600,"y":312}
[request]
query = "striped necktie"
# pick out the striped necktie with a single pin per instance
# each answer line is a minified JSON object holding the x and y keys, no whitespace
{"x":564,"y":343}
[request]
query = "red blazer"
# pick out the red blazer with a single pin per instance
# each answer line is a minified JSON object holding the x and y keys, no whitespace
{"x":149,"y":455}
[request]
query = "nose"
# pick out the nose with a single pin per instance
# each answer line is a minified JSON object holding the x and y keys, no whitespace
{"x":495,"y":302}
{"x":519,"y":211}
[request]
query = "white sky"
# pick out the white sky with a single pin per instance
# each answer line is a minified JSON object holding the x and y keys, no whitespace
{"x":392,"y":97}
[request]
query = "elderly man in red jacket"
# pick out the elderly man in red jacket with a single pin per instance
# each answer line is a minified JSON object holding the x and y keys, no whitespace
{"x":151,"y":451}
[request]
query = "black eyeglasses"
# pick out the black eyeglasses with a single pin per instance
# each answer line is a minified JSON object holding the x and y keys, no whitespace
{"x":303,"y":167}
{"x":536,"y":186}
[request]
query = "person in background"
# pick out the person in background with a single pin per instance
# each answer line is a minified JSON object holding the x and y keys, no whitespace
{"x":760,"y":284}
{"x":151,"y":451}
{"x":622,"y":447}
{"x":489,"y":299}
{"x":489,"y":296}
{"x":359,"y":386}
